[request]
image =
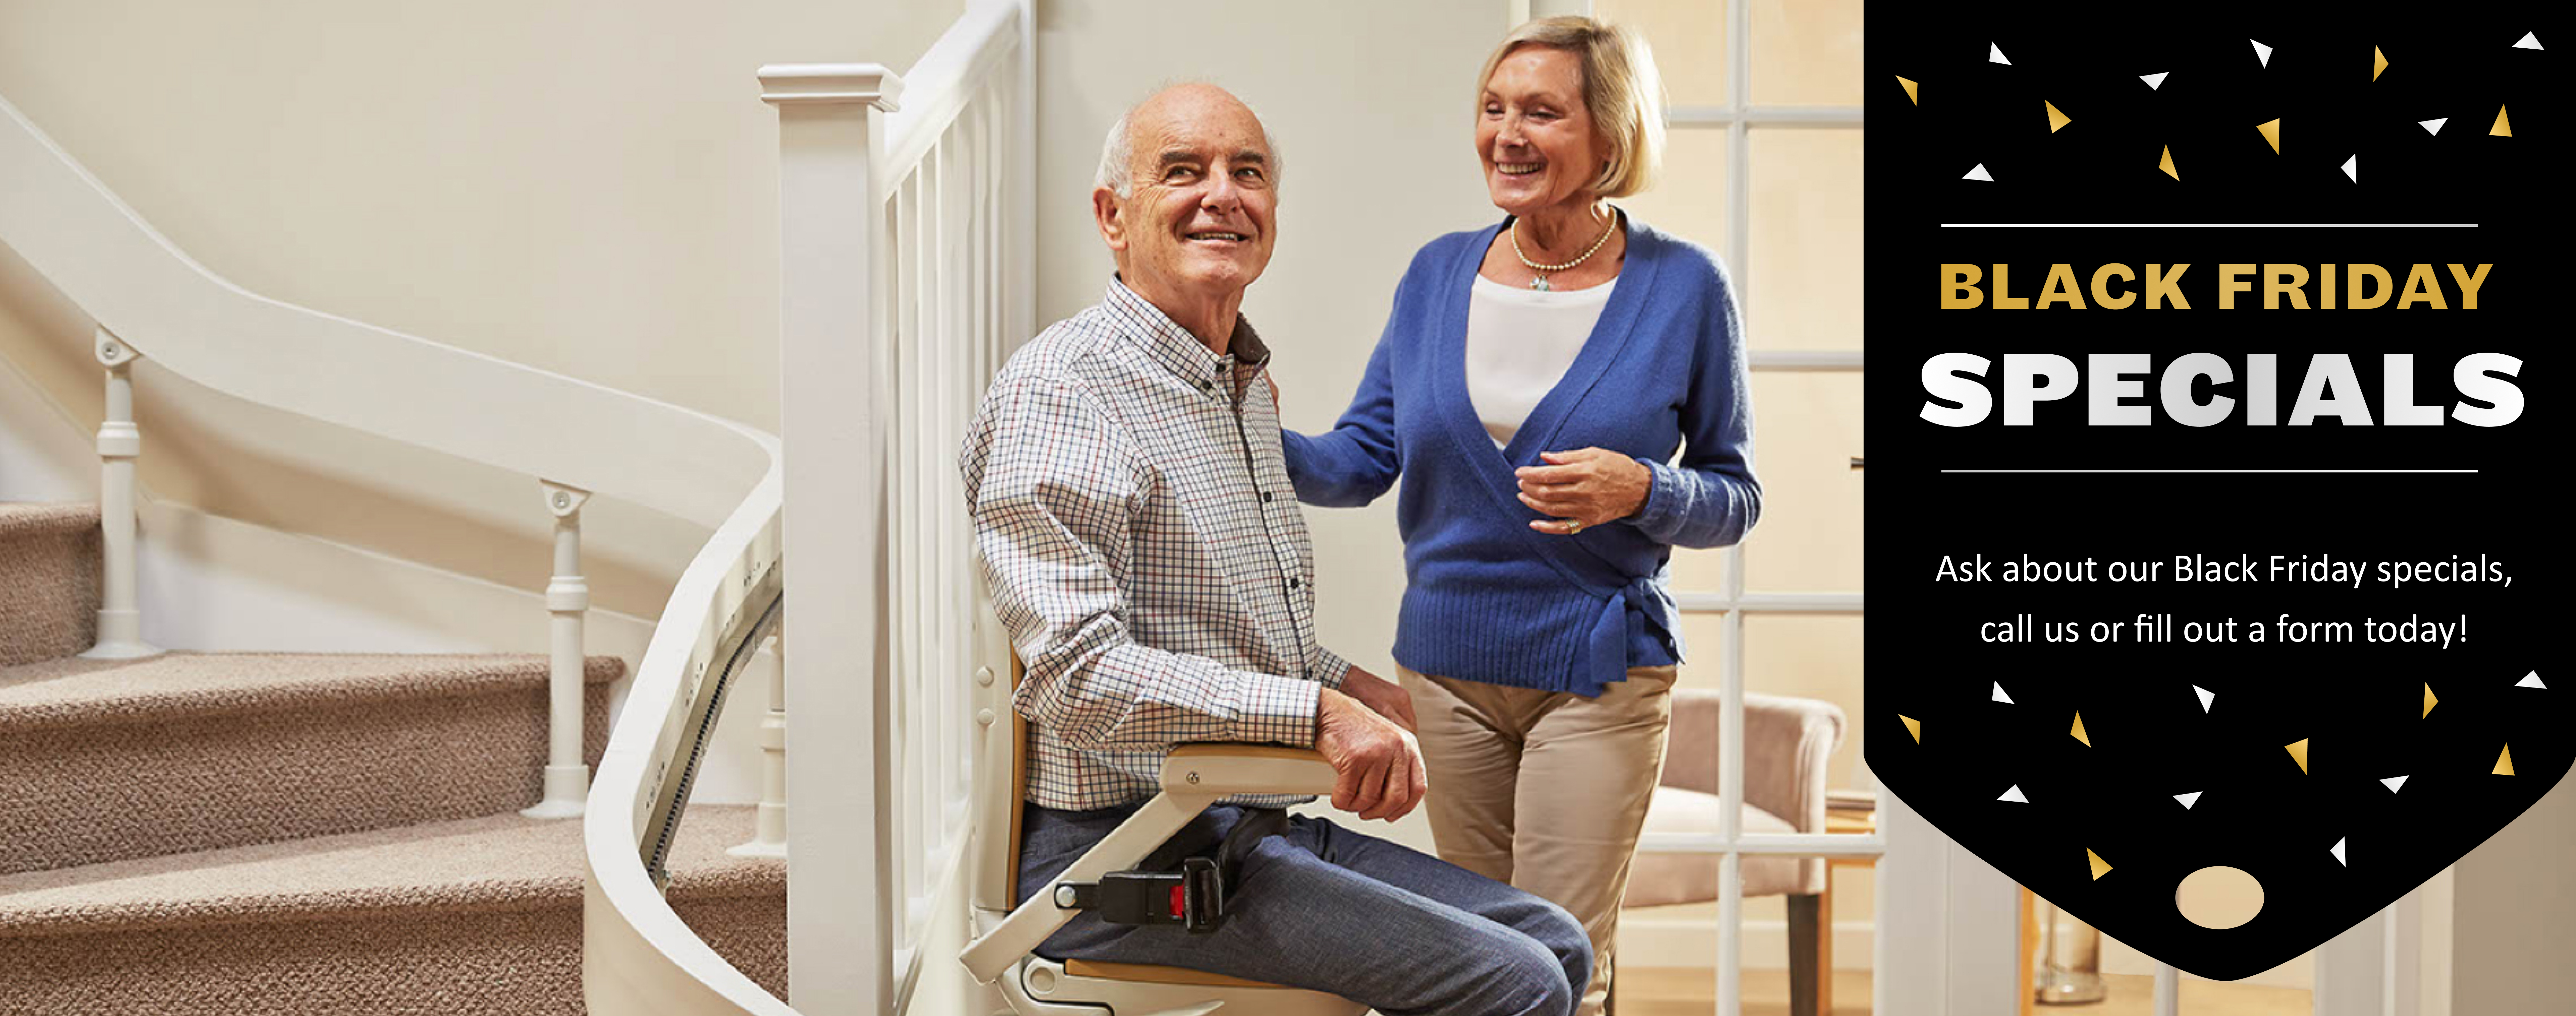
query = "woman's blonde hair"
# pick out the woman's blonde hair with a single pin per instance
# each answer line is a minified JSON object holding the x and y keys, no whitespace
{"x":1621,"y":90}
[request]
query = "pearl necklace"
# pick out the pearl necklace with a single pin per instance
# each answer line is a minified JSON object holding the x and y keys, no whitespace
{"x":1540,"y":282}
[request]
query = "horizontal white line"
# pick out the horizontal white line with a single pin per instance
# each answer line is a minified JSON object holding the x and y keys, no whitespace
{"x":2209,"y":470}
{"x":2209,"y":225}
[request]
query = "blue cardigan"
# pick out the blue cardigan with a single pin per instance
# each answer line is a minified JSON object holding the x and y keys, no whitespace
{"x":1487,"y":598}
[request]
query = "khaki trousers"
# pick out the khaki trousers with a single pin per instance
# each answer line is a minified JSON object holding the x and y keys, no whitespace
{"x":1546,"y":791}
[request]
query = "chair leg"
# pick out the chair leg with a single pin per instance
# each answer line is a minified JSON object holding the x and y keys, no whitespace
{"x":1806,"y":931}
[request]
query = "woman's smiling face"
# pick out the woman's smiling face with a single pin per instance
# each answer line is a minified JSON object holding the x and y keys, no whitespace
{"x":1534,"y":133}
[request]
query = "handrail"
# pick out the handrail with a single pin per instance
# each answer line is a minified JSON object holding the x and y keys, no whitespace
{"x":138,"y":285}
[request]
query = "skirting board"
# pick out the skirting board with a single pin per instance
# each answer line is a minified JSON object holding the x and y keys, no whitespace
{"x":1686,"y":943}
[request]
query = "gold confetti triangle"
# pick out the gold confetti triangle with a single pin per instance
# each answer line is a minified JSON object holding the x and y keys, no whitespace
{"x":2504,"y":762}
{"x":1912,"y":726}
{"x":2429,"y":700}
{"x":2378,"y":63}
{"x":1909,"y":90}
{"x":2055,"y":118}
{"x":2100,"y":866}
{"x":2299,"y":751}
{"x":2167,"y":165}
{"x":2271,"y":130}
{"x":2502,"y":129}
{"x":2079,"y":730}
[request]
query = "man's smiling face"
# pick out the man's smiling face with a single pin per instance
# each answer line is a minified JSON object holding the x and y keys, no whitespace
{"x":1198,"y":219}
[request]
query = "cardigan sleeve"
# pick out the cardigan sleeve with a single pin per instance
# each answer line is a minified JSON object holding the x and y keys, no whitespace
{"x":1709,"y":497}
{"x":1356,"y":461}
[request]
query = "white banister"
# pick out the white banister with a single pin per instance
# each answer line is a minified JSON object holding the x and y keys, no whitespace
{"x":842,"y":896}
{"x":120,"y":442}
{"x":769,"y":833}
{"x":567,"y":600}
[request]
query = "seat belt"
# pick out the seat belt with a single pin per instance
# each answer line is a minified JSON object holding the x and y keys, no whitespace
{"x":1195,"y":897}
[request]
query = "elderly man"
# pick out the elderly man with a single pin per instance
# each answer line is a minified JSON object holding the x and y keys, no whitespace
{"x":1147,"y":554}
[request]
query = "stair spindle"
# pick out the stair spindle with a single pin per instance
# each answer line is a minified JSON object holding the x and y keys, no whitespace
{"x":120,"y":618}
{"x":567,"y":599}
{"x":769,"y":838}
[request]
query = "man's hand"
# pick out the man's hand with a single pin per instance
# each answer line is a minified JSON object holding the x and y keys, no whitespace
{"x":1386,"y":698}
{"x":1379,"y":765}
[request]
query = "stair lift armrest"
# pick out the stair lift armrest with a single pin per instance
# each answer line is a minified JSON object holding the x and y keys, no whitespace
{"x":1230,"y":769}
{"x":1194,"y":777}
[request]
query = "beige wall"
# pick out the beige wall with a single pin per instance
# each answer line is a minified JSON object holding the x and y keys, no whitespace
{"x":588,"y":187}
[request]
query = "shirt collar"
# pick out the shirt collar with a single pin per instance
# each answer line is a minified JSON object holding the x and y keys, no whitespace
{"x":1172,"y":346}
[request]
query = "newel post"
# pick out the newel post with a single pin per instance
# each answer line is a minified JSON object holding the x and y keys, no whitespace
{"x":841,"y":898}
{"x":120,"y":616}
{"x":567,"y":599}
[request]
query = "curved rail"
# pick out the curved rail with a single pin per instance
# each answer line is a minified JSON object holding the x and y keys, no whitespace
{"x":638,"y":957}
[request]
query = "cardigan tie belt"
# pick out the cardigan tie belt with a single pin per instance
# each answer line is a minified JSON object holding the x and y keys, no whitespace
{"x":1624,"y":617}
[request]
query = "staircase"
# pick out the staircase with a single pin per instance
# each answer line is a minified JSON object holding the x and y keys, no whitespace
{"x":294,"y":833}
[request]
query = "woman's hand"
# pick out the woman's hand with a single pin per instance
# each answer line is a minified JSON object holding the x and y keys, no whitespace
{"x":1583,"y":488}
{"x":1383,"y":697}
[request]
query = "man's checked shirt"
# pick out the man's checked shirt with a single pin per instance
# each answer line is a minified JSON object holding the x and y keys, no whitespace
{"x":1144,"y":549}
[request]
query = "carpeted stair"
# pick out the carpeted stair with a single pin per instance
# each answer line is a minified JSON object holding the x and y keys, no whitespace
{"x":298,"y":833}
{"x":48,"y":581}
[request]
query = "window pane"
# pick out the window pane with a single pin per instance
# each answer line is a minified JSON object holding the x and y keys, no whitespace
{"x":1811,"y":656}
{"x":1690,"y":199}
{"x":1689,"y":41}
{"x":1807,"y":427}
{"x":1802,"y":290}
{"x":1806,"y":52}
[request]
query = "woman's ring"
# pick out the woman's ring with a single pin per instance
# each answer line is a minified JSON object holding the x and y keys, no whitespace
{"x":1573,"y":526}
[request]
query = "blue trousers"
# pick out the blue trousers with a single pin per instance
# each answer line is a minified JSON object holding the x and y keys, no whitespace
{"x":1328,"y":909}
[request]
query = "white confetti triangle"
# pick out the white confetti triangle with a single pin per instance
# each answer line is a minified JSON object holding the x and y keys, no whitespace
{"x":1979,"y":173}
{"x":2014,"y":794}
{"x":2394,"y":783}
{"x":2351,"y":168}
{"x":1999,"y":695}
{"x":2262,"y":53}
{"x":2530,"y":680}
{"x":2205,"y":696}
{"x":2188,"y":799}
{"x":2338,"y":852}
{"x":2154,"y":81}
{"x":2434,"y":126}
{"x":2530,"y":40}
{"x":1995,"y":54}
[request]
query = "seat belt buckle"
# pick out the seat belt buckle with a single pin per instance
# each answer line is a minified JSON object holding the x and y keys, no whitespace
{"x":1193,"y":897}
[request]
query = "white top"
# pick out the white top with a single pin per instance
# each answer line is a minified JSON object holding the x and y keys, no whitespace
{"x":1519,"y":343}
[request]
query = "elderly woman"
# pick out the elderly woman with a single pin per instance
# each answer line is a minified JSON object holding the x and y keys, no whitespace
{"x":1533,"y":383}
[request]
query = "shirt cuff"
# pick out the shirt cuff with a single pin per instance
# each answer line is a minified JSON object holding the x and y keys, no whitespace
{"x":1275,"y":710}
{"x":1331,"y":670}
{"x":1663,"y":500}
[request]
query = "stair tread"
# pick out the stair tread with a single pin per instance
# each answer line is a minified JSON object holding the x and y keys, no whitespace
{"x":62,"y":692}
{"x":493,"y":863}
{"x":18,"y":517}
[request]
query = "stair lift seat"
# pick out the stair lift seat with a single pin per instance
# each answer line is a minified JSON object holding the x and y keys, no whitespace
{"x":1007,"y":930}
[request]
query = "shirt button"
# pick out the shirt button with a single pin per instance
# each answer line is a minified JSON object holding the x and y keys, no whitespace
{"x":1265,"y":497}
{"x":1292,"y":583}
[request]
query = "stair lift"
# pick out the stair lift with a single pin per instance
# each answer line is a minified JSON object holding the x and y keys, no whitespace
{"x":1007,"y":930}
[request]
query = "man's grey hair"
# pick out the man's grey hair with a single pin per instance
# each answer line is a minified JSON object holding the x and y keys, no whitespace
{"x":1118,"y":151}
